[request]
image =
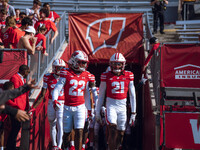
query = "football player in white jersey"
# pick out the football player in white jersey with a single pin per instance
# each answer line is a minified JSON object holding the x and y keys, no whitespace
{"x":55,"y":117}
{"x":76,"y":82}
{"x":114,"y":85}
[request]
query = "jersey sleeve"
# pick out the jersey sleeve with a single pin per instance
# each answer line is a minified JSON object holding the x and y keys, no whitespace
{"x":132,"y":96}
{"x":130,"y":76}
{"x":103,"y":77}
{"x":91,"y":77}
{"x":53,"y":26}
{"x":87,"y":97}
{"x":102,"y":93}
{"x":55,"y":15}
{"x":15,"y":82}
{"x":44,"y":42}
{"x":36,"y":25}
{"x":45,"y":81}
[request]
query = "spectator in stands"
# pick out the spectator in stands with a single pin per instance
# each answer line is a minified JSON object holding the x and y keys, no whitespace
{"x":41,"y":37}
{"x":10,"y":9}
{"x":158,"y":12}
{"x":44,"y":13}
{"x":6,"y":86}
{"x":3,"y":15}
{"x":26,"y":21}
{"x":6,"y":33}
{"x":17,"y":12}
{"x":33,"y":12}
{"x":155,"y":45}
{"x":19,"y":32}
{"x":24,"y":41}
{"x":22,"y":15}
{"x":10,"y":94}
{"x":21,"y":102}
{"x":19,"y":114}
{"x":53,"y":16}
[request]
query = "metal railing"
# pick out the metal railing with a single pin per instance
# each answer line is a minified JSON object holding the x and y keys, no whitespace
{"x":39,"y":63}
{"x":154,"y":63}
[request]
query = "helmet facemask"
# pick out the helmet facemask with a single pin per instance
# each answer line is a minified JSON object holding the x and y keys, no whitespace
{"x":56,"y":69}
{"x":117,"y":67}
{"x":117,"y":63}
{"x":58,"y":65}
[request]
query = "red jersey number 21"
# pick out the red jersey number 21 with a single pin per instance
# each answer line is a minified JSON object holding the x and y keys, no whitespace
{"x":118,"y":87}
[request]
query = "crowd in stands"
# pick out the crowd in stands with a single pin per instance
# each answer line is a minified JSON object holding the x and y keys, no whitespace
{"x":23,"y":29}
{"x":26,"y":29}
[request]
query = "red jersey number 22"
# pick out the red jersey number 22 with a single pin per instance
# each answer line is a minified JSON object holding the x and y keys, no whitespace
{"x":77,"y":87}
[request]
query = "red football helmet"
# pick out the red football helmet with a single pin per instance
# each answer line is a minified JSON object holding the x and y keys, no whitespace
{"x":57,"y":65}
{"x":78,"y":61}
{"x":117,"y":63}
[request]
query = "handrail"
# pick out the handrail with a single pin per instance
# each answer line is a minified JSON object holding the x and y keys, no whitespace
{"x":39,"y":64}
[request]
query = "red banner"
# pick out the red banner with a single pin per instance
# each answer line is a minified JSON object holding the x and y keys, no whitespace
{"x":11,"y":61}
{"x":180,"y":65}
{"x":40,"y":129}
{"x":182,"y":131}
{"x":102,"y":34}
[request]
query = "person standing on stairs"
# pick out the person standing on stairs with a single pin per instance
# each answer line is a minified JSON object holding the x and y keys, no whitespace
{"x":158,"y":12}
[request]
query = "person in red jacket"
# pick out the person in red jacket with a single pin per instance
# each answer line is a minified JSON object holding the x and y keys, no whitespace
{"x":155,"y":45}
{"x":20,"y":102}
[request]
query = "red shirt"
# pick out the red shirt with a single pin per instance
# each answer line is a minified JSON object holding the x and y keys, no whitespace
{"x":18,"y":25}
{"x":48,"y":23}
{"x":117,"y":86}
{"x":17,"y":34}
{"x":155,"y":47}
{"x":53,"y":16}
{"x":41,"y":37}
{"x":17,"y":19}
{"x":21,"y":101}
{"x":51,"y":81}
{"x":6,"y":36}
{"x":2,"y":24}
{"x":75,"y":86}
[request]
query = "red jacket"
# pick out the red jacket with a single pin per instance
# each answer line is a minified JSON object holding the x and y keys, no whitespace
{"x":21,"y":102}
{"x":155,"y":47}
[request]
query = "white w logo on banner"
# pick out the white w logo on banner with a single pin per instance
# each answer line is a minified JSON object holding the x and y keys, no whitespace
{"x":195,"y":131}
{"x":104,"y":44}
